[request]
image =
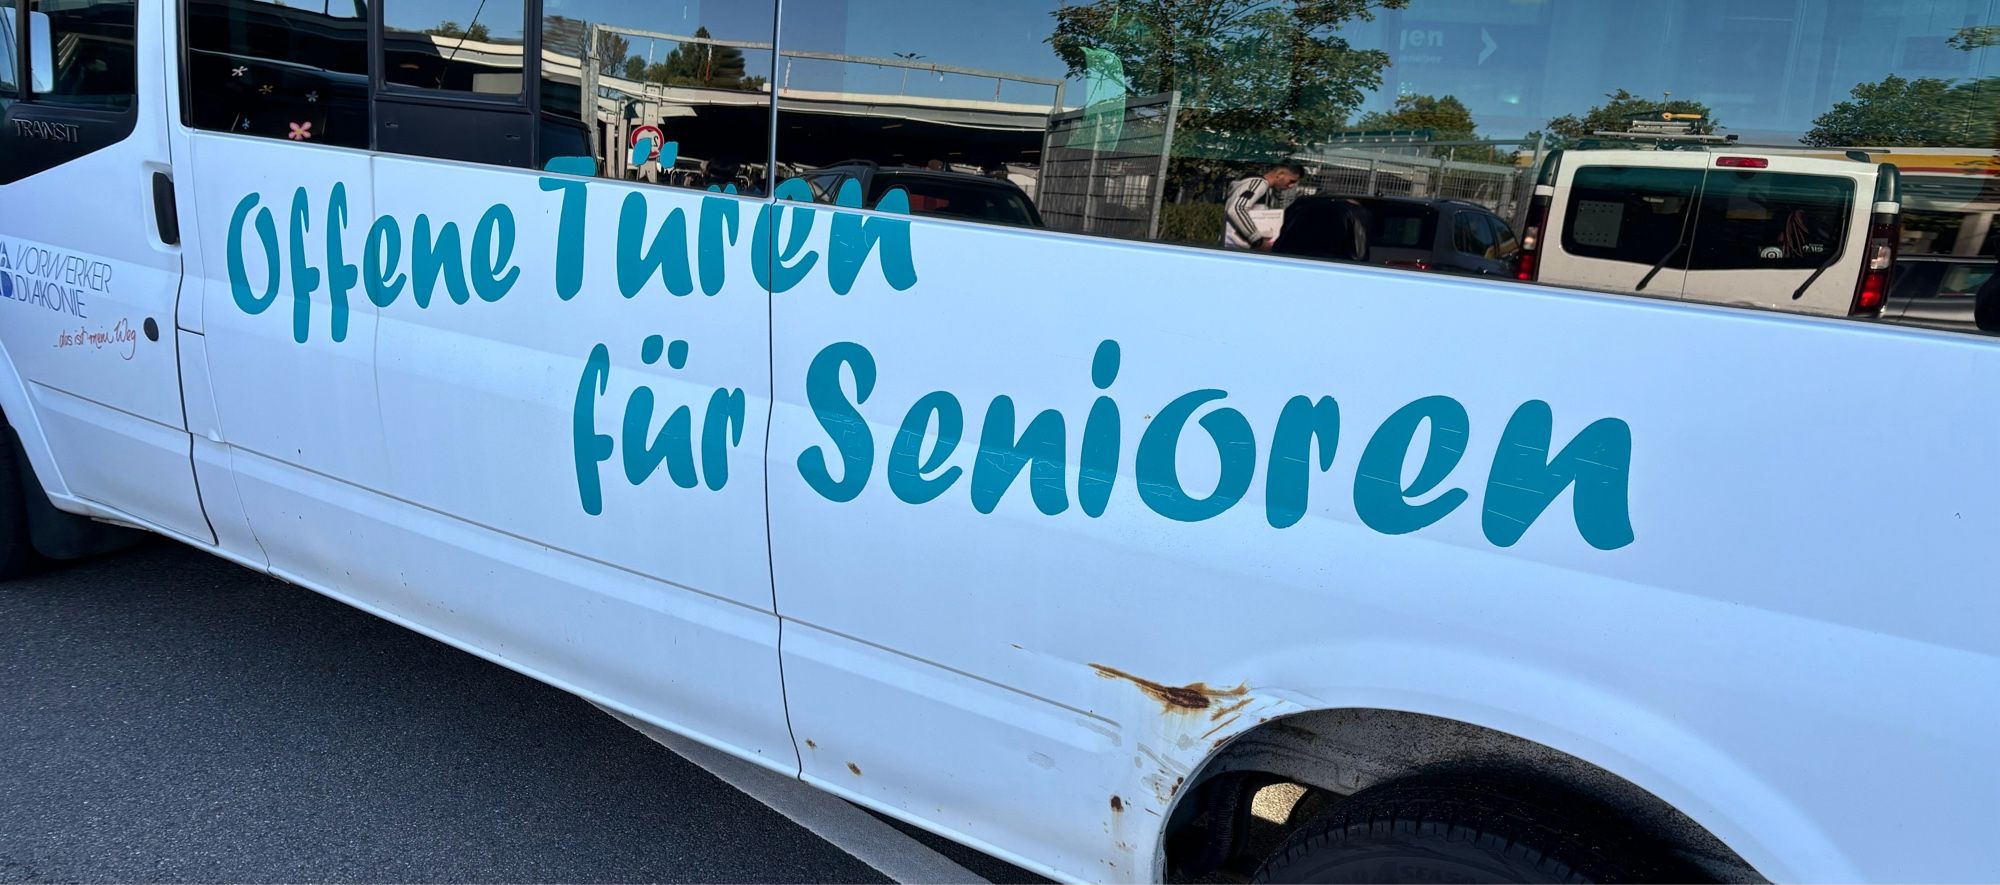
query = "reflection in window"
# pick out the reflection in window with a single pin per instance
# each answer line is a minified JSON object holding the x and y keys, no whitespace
{"x":9,"y":62}
{"x":94,"y":53}
{"x":674,"y":93}
{"x":257,"y":67}
{"x":470,"y":46}
{"x":1139,"y":118}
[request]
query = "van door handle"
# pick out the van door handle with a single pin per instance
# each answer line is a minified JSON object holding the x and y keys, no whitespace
{"x":164,"y":214}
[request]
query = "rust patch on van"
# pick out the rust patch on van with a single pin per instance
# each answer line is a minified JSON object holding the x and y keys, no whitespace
{"x":854,"y":768}
{"x":1175,"y":698}
{"x":1117,"y":804}
{"x":1224,"y":711}
{"x":810,"y":745}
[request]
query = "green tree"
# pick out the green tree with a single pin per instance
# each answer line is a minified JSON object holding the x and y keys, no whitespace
{"x":1925,"y":112}
{"x":635,"y":68}
{"x":1974,"y":37}
{"x":700,"y":64}
{"x":453,"y":29}
{"x":1447,"y":117}
{"x":1257,"y":79}
{"x":1616,"y":114}
{"x":612,"y":48}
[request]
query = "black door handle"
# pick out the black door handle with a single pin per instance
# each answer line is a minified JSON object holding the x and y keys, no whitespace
{"x":164,"y":214}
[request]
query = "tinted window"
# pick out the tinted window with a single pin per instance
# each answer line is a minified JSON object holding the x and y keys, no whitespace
{"x":674,"y":93}
{"x":95,"y":56}
{"x":958,"y":197}
{"x":1471,"y":235}
{"x":259,"y":67}
{"x":1635,"y":214}
{"x":1770,"y":221}
{"x":471,"y":46}
{"x":1398,"y":225}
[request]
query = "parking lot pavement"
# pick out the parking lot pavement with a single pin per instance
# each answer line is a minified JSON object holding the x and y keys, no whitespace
{"x":166,"y":716}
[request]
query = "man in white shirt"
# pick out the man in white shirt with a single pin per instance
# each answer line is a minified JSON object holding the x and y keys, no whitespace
{"x":1239,"y":227}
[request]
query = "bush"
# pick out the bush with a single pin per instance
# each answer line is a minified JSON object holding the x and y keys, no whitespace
{"x":1196,"y":223}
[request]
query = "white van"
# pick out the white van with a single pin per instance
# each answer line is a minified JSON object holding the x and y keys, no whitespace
{"x":1102,"y":556}
{"x":1725,"y":226}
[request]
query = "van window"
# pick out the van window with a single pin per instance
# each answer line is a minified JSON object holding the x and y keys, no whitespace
{"x":9,"y":61}
{"x":1755,"y":220}
{"x":1629,"y":213}
{"x":1471,"y":235}
{"x":263,"y":68}
{"x":96,"y":59}
{"x":1394,"y":224}
{"x":468,"y":46}
{"x":671,"y":93}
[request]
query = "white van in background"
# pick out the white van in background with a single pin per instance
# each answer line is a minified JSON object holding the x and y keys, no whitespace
{"x":1770,"y":230}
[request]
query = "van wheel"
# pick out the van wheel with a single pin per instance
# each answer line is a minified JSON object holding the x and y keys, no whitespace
{"x":17,"y":549}
{"x":1438,"y":830}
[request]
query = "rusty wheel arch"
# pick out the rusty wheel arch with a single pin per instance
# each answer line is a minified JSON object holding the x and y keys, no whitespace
{"x":1339,"y":752}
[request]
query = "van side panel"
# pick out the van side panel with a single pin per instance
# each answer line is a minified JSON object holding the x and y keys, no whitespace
{"x":1458,"y":528}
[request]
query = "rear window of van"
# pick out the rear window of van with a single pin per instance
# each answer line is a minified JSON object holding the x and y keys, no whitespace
{"x":1729,"y":219}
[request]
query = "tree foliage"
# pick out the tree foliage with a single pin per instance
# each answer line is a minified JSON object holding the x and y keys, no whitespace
{"x":1616,"y":114}
{"x":1924,"y":112}
{"x":1446,"y":117}
{"x":447,"y":28}
{"x":1257,"y":79}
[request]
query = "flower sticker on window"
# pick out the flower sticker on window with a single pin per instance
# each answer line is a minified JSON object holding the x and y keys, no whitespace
{"x":239,"y":70}
{"x":300,"y":131}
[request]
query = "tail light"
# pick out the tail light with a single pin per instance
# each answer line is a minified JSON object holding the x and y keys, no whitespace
{"x":1743,"y":162}
{"x":1531,"y":233}
{"x":1871,"y":292}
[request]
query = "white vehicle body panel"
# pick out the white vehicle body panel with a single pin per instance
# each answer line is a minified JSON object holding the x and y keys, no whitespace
{"x":1739,"y":612}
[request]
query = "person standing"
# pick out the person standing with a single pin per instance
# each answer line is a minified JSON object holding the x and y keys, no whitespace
{"x":1239,"y":227}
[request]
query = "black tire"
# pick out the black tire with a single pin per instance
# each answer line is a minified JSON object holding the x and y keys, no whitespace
{"x":17,"y":549}
{"x":1453,"y":830}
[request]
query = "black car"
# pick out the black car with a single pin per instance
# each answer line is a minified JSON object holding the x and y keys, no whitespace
{"x":931,"y":191}
{"x":1448,"y":236}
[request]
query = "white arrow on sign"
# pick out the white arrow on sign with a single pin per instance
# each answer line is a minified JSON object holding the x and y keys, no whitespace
{"x":1486,"y":50}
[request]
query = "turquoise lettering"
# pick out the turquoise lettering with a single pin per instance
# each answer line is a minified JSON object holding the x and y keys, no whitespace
{"x":855,"y":236}
{"x":340,"y":276}
{"x":908,"y":478}
{"x":667,"y":255}
{"x":430,"y":257}
{"x":719,"y":225}
{"x":790,"y":266}
{"x":1289,"y":478}
{"x":1001,"y":458}
{"x":589,"y":447}
{"x":1097,"y":469}
{"x":569,"y":235}
{"x":489,"y":255}
{"x":1158,"y":478}
{"x":1380,"y":498}
{"x":723,"y":420}
{"x":239,"y":277}
{"x":381,"y":254}
{"x":841,"y":420}
{"x":1525,"y":480}
{"x":305,"y":278}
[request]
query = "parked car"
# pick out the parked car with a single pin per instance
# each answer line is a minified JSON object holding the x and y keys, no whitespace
{"x":1443,"y":235}
{"x":931,"y":191}
{"x":1937,"y":291}
{"x":1729,"y":226}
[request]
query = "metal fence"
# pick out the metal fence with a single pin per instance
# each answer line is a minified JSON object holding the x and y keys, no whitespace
{"x":1104,"y":169}
{"x":1499,"y":179}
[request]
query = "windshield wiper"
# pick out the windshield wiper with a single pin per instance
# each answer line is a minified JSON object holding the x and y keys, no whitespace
{"x":1831,"y":261}
{"x":1676,"y":250}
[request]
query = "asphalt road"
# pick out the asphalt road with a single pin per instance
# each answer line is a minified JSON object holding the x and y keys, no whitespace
{"x":166,"y":716}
